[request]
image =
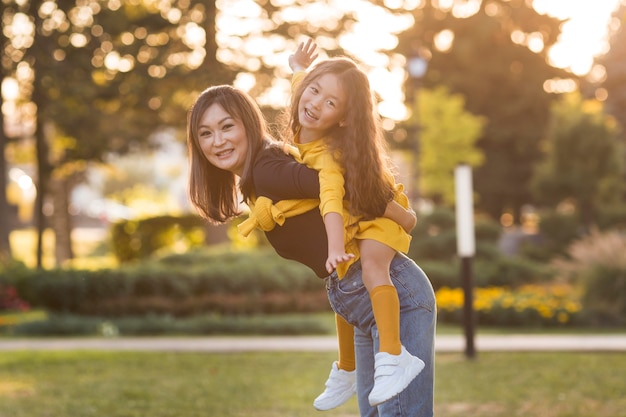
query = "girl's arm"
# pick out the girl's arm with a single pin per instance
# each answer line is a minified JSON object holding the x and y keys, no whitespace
{"x":406,"y":218}
{"x":336,"y":248}
{"x":331,"y":206}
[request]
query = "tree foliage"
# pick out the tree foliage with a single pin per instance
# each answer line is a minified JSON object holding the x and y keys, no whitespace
{"x":448,"y":134}
{"x":106,"y":75}
{"x":489,"y":62}
{"x":614,"y":62}
{"x":583,"y":160}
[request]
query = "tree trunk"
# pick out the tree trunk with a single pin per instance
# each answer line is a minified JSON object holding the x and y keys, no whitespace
{"x":5,"y":245}
{"x":42,"y":188}
{"x":60,"y":221}
{"x":41,"y":145}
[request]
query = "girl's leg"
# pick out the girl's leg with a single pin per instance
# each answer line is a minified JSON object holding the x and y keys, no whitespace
{"x":395,"y":368}
{"x":375,"y":260}
{"x":417,"y":321}
{"x":341,"y":383}
{"x":345,"y":339}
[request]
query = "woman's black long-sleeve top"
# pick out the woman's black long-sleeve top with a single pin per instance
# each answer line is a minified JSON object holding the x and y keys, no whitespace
{"x":302,"y":238}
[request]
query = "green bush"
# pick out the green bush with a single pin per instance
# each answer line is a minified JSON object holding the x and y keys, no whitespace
{"x":597,"y":263}
{"x":509,"y":271}
{"x":433,"y":247}
{"x":434,"y":237}
{"x":557,"y":231}
{"x":139,"y":239}
{"x":503,"y":271}
{"x":612,"y":217}
{"x":249,"y":282}
{"x":154,"y":325}
{"x":442,"y":274}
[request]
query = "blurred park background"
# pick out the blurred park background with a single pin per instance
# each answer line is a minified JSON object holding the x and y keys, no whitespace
{"x":97,"y":236}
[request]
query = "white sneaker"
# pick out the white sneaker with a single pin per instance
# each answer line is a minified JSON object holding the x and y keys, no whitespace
{"x":340,"y":386}
{"x":392,"y":374}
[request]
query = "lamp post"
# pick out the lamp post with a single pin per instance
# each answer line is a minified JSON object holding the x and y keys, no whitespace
{"x":466,"y":248}
{"x":417,"y":65}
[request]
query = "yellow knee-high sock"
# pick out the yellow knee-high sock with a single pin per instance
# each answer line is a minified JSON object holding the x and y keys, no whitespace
{"x":345,"y":338}
{"x":386,"y":306}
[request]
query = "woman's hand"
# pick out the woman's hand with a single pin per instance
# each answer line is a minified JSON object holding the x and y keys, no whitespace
{"x":303,"y":56}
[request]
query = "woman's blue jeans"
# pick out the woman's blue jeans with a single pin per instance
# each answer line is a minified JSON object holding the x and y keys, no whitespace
{"x":418,"y":314}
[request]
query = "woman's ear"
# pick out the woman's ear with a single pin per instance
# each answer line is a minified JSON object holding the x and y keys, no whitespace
{"x":342,"y":123}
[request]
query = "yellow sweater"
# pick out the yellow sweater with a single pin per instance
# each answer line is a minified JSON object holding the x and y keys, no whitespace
{"x":317,"y":156}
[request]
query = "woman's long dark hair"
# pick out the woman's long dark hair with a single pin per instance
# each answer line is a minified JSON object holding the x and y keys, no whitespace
{"x":213,"y":191}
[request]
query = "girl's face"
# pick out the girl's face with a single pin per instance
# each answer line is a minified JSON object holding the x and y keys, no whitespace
{"x":321,"y":107}
{"x":223,"y":139}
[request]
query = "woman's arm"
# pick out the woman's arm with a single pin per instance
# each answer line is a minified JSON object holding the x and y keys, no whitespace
{"x":280,"y":177}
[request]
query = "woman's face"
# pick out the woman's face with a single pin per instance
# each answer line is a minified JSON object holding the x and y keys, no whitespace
{"x":321,"y":107}
{"x":223,"y":139}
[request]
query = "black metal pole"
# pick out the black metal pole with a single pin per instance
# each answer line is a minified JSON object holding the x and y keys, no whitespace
{"x":468,"y":307}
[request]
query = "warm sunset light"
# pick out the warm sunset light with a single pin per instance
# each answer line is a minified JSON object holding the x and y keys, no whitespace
{"x":583,"y":37}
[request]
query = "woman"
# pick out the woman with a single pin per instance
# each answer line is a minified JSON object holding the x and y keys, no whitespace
{"x":231,"y":154}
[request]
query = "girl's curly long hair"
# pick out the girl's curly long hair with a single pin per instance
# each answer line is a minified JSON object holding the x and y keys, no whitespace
{"x":359,"y":146}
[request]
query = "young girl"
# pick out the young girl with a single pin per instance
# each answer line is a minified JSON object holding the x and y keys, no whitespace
{"x":334,"y":124}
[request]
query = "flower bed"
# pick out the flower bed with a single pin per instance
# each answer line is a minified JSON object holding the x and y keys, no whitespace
{"x":529,"y":305}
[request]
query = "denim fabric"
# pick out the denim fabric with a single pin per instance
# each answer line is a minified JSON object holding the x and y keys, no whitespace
{"x":350,"y":299}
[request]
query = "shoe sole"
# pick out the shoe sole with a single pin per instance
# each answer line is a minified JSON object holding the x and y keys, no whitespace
{"x":326,"y":407}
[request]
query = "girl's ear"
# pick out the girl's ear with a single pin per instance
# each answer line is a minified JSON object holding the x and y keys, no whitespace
{"x":342,"y":123}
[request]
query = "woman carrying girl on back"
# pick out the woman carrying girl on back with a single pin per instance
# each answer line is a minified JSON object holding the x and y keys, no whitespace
{"x":232,"y":156}
{"x":334,"y":125}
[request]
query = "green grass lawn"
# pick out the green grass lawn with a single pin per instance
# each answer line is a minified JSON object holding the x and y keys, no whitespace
{"x":129,"y":384}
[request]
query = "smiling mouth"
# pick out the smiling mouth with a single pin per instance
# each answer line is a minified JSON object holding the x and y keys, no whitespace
{"x":224,"y":153}
{"x":309,"y":114}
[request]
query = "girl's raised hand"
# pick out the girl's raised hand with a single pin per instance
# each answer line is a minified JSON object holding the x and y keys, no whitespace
{"x":303,"y":56}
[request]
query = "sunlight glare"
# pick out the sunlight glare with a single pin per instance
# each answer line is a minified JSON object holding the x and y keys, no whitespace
{"x":393,"y":110}
{"x":394,"y":4}
{"x":20,"y":31}
{"x":258,"y":46}
{"x":81,"y":16}
{"x":10,"y":89}
{"x":597,"y":74}
{"x":466,"y":9}
{"x":316,"y":14}
{"x":443,"y":40}
{"x":535,"y":42}
{"x":195,"y":36}
{"x":78,"y":40}
{"x":560,"y":86}
{"x":278,"y":94}
{"x":241,"y":8}
{"x":584,"y":36}
{"x":245,"y":39}
{"x":244,"y":81}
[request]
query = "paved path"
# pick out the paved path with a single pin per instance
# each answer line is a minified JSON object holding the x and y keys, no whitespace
{"x":443,"y":343}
